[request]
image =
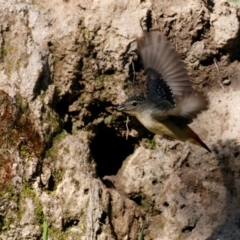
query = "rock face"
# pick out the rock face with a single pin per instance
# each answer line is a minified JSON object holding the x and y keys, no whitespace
{"x":64,"y":67}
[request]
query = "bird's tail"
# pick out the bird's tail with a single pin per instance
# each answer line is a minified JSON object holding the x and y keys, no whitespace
{"x":195,"y":139}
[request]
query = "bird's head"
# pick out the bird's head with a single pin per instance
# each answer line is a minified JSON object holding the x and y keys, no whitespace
{"x":134,"y":105}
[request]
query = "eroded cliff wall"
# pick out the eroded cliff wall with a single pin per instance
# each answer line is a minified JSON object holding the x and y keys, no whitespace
{"x":64,"y":68}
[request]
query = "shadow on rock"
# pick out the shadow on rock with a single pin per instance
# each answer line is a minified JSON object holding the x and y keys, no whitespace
{"x":228,"y":155}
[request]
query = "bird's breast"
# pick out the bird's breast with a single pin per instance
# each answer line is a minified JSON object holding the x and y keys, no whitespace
{"x":152,"y":125}
{"x":163,"y":128}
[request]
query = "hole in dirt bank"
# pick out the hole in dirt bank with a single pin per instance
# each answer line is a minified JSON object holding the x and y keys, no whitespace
{"x":110,"y":150}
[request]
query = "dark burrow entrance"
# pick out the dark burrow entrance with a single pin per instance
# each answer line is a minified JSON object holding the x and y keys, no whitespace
{"x":110,"y":150}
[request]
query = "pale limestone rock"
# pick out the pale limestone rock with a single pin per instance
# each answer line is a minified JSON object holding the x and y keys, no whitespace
{"x":70,"y":62}
{"x":225,"y":24}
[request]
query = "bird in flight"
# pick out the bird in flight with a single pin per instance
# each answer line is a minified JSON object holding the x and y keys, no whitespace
{"x":171,"y":103}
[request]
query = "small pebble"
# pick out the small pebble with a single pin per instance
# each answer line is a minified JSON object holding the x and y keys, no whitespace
{"x":226,"y":82}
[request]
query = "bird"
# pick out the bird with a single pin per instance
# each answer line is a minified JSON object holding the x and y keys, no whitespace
{"x":171,"y":103}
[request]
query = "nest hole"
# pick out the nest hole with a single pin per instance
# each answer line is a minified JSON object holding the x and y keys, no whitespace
{"x":110,"y":150}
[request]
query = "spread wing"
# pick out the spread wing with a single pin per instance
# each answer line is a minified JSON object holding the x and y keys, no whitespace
{"x":159,"y":55}
{"x":168,"y":79}
{"x":158,"y":89}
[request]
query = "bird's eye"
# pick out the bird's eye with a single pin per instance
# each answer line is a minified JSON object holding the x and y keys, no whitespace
{"x":134,"y":104}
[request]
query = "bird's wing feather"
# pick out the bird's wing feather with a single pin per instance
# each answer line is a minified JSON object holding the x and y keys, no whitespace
{"x":186,"y":110}
{"x":159,"y":55}
{"x":189,"y":107}
{"x":168,"y":80}
{"x":158,"y":89}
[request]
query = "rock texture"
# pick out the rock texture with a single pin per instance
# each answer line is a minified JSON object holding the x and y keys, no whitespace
{"x":64,"y":67}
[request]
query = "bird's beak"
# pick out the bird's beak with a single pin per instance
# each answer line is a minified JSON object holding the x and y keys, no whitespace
{"x":121,"y":107}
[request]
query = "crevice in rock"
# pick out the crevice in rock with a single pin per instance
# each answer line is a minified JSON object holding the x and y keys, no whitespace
{"x":108,"y":183}
{"x":44,"y":79}
{"x":109,"y":71}
{"x":2,"y":50}
{"x":110,"y":150}
{"x":95,"y":108}
{"x":137,"y":79}
{"x":201,"y":32}
{"x":70,"y":223}
{"x":103,"y":218}
{"x":136,"y":199}
{"x":182,"y":206}
{"x":146,"y":22}
{"x":233,"y":48}
{"x":110,"y":204}
{"x":236,"y":154}
{"x":207,"y":62}
{"x":1,"y":222}
{"x":166,"y":204}
{"x":51,"y":183}
{"x":154,"y":182}
{"x":188,"y":229}
{"x":63,"y":103}
{"x":209,"y":4}
{"x":136,"y":65}
{"x":62,"y":109}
